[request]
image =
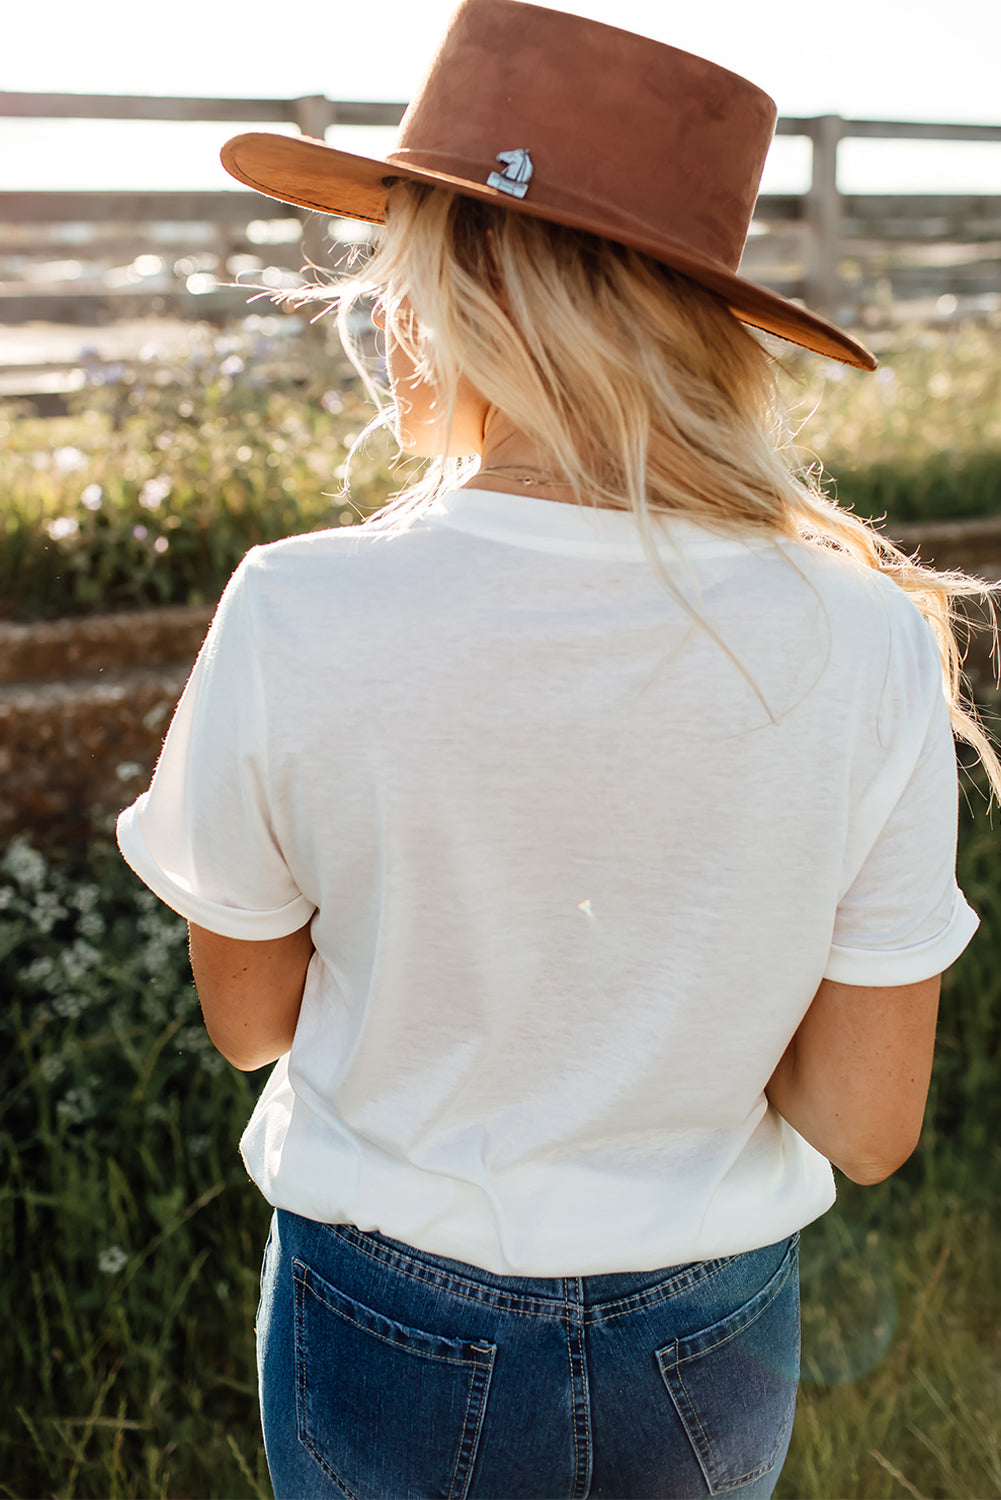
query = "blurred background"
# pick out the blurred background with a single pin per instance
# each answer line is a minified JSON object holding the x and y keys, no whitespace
{"x":166,"y":402}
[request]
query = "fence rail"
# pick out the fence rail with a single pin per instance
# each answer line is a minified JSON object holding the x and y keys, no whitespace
{"x":843,"y":254}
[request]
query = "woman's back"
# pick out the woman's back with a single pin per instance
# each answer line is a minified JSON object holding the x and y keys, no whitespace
{"x":579,"y":862}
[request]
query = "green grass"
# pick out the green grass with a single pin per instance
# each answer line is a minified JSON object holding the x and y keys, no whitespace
{"x":132,"y":1237}
{"x":918,"y":440}
{"x":154,"y":487}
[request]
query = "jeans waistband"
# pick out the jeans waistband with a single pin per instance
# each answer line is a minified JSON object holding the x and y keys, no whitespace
{"x":594,"y":1297}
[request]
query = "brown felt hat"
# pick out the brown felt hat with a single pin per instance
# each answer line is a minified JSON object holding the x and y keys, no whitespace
{"x":566,"y":119}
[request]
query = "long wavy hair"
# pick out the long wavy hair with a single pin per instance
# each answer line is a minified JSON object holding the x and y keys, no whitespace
{"x":636,"y":384}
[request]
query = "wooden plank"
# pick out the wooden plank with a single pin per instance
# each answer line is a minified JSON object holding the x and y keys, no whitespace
{"x":913,"y":130}
{"x":139,"y":107}
{"x":785,"y":208}
{"x":236,"y":206}
{"x":98,"y":255}
{"x":107,"y":307}
{"x":921,"y":130}
{"x":937,"y":281}
{"x":922,"y":205}
{"x":943,"y":217}
{"x":378,"y":112}
{"x":146,"y":208}
{"x":142,"y":107}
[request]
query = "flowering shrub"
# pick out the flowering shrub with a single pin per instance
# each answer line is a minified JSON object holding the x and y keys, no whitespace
{"x":169,"y":469}
{"x":120,"y":1182}
{"x":133,"y":1240}
{"x":920,"y":439}
{"x":85,"y":978}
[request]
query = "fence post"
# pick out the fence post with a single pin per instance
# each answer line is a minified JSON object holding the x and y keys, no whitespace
{"x":313,"y":115}
{"x":822,"y":211}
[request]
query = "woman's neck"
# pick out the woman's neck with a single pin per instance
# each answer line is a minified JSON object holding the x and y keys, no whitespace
{"x":511,"y":464}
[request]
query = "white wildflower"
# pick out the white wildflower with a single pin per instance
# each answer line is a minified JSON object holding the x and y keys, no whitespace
{"x":154,"y":492}
{"x":75,"y":1106}
{"x":112,"y":1260}
{"x":78,"y":959}
{"x":51,"y":1067}
{"x":68,"y":1007}
{"x":161,"y":545}
{"x":86,"y":897}
{"x":91,"y":924}
{"x":69,"y":460}
{"x":92,"y":497}
{"x":24,"y":865}
{"x":40,"y":970}
{"x":47,"y":911}
{"x":62,"y":527}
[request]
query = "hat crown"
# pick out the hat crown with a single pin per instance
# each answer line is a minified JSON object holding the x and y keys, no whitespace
{"x":577,"y":123}
{"x":654,"y":138}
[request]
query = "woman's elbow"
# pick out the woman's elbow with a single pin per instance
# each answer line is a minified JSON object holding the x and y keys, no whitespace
{"x":875,"y":1166}
{"x":245,"y":1052}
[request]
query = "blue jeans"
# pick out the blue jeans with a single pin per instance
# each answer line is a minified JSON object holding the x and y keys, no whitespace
{"x":389,"y":1374}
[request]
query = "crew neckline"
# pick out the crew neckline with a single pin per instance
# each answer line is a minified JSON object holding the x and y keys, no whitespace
{"x":577,"y":530}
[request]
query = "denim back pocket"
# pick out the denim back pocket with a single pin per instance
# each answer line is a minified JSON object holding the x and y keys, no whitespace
{"x":734,"y":1383}
{"x":385,"y":1410}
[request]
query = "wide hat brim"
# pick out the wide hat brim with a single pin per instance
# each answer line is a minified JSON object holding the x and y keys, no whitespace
{"x":691,"y":214}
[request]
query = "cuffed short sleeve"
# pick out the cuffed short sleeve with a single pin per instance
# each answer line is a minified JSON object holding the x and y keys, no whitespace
{"x":903,"y":917}
{"x":202,"y":837}
{"x":869,"y":966}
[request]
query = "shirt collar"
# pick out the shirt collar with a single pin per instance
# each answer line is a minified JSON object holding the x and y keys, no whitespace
{"x":577,"y":530}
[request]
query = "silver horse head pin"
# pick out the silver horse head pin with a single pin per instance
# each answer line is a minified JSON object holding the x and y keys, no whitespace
{"x":516,"y":175}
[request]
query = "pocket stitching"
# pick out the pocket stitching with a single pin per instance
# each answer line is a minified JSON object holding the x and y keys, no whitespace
{"x":740,"y":1328}
{"x":750,"y":1474}
{"x":529,"y":1307}
{"x":675,"y":1365}
{"x":480,"y":1372}
{"x":302,"y":1431}
{"x":472,"y":1358}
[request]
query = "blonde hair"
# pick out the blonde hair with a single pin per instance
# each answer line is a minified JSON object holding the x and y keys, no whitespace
{"x":633,"y":381}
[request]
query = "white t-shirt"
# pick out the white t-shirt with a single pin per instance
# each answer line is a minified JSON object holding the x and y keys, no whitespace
{"x":575,"y":866}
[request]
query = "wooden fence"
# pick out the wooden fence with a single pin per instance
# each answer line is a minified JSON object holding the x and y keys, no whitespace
{"x":848,"y":255}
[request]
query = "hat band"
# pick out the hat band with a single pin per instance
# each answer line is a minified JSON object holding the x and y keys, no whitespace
{"x":588,"y":213}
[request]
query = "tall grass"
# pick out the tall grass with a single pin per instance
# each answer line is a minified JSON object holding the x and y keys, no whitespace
{"x":918,"y":440}
{"x":167,"y":471}
{"x":132,"y":1238}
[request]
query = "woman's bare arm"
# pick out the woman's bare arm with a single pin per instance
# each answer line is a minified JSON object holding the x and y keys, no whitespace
{"x":854,"y":1079}
{"x":250,"y":992}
